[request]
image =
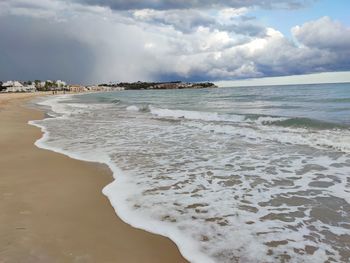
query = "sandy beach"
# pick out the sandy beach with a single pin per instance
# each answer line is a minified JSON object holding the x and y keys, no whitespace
{"x":52,"y":208}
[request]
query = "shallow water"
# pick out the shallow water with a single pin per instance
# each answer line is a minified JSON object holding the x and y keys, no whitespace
{"x":258,"y":174}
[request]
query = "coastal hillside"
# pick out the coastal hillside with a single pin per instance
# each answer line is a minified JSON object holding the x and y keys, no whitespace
{"x":160,"y":85}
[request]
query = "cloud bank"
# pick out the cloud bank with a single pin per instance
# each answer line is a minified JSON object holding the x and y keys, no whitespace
{"x":194,"y":4}
{"x":103,"y":40}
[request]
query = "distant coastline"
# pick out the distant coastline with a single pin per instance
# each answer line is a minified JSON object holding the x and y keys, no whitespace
{"x":58,"y":85}
{"x":160,"y":85}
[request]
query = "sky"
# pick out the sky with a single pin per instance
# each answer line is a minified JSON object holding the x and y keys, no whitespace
{"x":94,"y":41}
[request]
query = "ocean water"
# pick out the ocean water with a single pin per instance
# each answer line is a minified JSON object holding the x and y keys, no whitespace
{"x":254,"y":174}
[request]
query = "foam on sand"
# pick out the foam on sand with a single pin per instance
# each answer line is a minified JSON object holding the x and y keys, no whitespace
{"x":119,"y":190}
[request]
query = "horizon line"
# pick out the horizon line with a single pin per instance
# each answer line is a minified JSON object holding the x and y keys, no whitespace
{"x":304,"y":79}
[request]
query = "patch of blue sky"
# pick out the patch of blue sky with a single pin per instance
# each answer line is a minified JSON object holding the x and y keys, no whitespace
{"x":284,"y":20}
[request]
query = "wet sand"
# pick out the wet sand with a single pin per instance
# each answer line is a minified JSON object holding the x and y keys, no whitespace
{"x":52,"y":207}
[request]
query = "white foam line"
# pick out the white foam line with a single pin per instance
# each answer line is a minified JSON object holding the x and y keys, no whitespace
{"x":186,"y":246}
{"x":195,"y":115}
{"x":133,"y":108}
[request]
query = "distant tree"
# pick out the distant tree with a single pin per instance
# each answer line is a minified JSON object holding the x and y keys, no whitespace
{"x":37,"y":84}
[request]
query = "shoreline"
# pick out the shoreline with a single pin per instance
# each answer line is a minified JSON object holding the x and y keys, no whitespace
{"x":76,"y":222}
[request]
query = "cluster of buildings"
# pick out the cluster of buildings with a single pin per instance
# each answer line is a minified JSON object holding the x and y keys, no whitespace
{"x":32,"y":86}
{"x":16,"y":86}
{"x":48,"y":85}
{"x":94,"y":88}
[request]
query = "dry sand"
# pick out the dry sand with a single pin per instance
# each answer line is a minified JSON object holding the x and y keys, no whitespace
{"x":52,"y":208}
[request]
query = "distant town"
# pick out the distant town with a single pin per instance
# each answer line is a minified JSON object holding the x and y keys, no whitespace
{"x":59,"y":85}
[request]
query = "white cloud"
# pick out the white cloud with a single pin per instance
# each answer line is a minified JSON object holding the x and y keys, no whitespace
{"x":323,"y":33}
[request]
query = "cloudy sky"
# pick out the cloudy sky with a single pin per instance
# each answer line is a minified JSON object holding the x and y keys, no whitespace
{"x":89,"y":41}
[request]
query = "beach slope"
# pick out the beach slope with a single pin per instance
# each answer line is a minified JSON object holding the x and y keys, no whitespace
{"x":52,"y":208}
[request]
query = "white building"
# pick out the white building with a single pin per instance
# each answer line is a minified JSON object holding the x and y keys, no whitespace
{"x":61,"y":83}
{"x":11,"y":83}
{"x":15,"y":86}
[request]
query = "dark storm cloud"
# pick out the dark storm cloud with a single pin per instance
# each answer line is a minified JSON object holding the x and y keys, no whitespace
{"x":194,"y":4}
{"x":31,"y":49}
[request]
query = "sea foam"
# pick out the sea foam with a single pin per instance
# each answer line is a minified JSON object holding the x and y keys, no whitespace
{"x":219,"y":185}
{"x":117,"y":191}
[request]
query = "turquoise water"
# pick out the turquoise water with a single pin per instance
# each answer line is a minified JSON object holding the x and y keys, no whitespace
{"x":258,"y":174}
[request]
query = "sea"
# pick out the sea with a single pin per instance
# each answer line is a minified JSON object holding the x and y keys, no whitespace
{"x":241,"y":174}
